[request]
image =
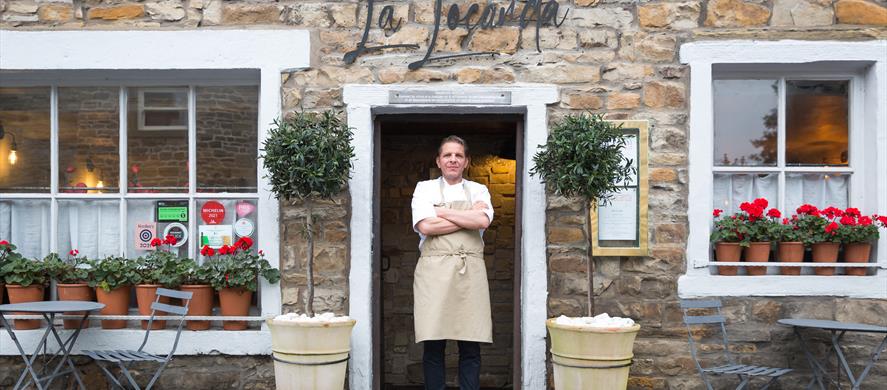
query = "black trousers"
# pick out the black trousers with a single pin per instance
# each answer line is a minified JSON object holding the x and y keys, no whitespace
{"x":434,"y":365}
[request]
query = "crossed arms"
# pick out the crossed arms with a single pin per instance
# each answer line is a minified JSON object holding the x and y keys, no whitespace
{"x":449,"y":220}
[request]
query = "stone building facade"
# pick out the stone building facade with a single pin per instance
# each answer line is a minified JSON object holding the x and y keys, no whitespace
{"x":619,"y":58}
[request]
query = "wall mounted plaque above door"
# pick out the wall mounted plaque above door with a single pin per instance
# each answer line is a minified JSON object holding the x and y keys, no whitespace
{"x":427,"y":96}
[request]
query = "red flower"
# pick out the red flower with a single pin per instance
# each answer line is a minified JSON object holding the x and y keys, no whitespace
{"x":135,"y":168}
{"x":244,"y":243}
{"x":156,"y":242}
{"x":4,"y":242}
{"x":225,"y":250}
{"x":761,"y":202}
{"x":261,"y":252}
{"x":865,"y":220}
{"x":832,"y":212}
{"x":785,"y":221}
{"x":848,"y":220}
{"x":832,"y":228}
{"x":853,"y":212}
{"x":774,"y":213}
{"x":170,"y":240}
{"x":207,"y":251}
{"x":883,"y":220}
{"x":74,"y":252}
{"x":808,"y":209}
{"x":717,"y":212}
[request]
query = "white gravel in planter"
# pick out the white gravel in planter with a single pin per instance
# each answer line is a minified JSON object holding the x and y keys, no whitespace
{"x":318,"y":318}
{"x":601,"y":320}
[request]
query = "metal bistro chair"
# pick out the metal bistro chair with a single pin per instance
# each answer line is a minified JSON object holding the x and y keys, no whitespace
{"x":743,"y":371}
{"x":124,"y":358}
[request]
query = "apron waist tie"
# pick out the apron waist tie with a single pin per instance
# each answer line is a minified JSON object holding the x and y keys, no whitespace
{"x":462,"y":254}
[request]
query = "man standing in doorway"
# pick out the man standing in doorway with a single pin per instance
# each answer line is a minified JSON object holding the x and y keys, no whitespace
{"x":451,"y":294}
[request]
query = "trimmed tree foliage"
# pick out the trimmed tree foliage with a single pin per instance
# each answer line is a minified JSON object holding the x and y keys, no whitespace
{"x":583,"y":157}
{"x":308,"y":157}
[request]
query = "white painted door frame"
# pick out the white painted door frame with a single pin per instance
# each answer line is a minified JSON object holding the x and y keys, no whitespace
{"x":360,"y":101}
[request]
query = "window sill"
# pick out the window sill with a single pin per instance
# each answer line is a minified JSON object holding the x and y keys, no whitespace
{"x":704,"y":285}
{"x":206,"y":342}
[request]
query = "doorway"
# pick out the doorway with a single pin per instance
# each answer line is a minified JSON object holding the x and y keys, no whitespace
{"x":405,"y":146}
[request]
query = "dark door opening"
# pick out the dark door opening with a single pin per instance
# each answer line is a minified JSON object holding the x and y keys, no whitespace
{"x":406,"y":145}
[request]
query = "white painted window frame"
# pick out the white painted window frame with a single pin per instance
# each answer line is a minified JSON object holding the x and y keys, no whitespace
{"x":360,"y":101}
{"x":185,"y":51}
{"x":142,"y":110}
{"x":865,"y":64}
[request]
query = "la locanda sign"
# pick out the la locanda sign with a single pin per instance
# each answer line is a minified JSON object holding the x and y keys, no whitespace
{"x":487,"y":17}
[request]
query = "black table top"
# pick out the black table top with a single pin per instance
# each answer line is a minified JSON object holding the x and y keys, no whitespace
{"x":52,"y":306}
{"x":832,"y":325}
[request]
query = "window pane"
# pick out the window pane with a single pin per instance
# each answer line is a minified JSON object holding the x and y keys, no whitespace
{"x":820,"y":190}
{"x":816,"y":122}
{"x":144,"y":223}
{"x":25,"y":223}
{"x":730,"y":190}
{"x":158,"y":160}
{"x":89,"y":147}
{"x":25,"y":146}
{"x":223,"y":221}
{"x":227,"y":137}
{"x":165,"y":98}
{"x":745,"y":122}
{"x":166,"y":118}
{"x":90,"y":226}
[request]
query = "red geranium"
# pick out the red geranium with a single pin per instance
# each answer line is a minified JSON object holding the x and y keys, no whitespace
{"x":170,"y":240}
{"x":832,"y":228}
{"x":864,"y":220}
{"x":832,"y":212}
{"x":244,"y":243}
{"x":73,"y":252}
{"x":207,"y":251}
{"x":156,"y":242}
{"x":4,"y":242}
{"x":848,"y":220}
{"x":717,"y":212}
{"x":853,"y":212}
{"x":808,"y":209}
{"x":774,"y":213}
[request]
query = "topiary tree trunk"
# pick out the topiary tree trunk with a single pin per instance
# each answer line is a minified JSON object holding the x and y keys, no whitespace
{"x":583,"y":157}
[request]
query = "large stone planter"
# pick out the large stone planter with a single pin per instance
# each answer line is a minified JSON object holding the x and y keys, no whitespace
{"x":310,"y":356}
{"x":592,"y":358}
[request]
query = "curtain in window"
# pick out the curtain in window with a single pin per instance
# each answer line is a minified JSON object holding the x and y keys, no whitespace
{"x":820,"y":190}
{"x":92,"y":227}
{"x":25,"y":224}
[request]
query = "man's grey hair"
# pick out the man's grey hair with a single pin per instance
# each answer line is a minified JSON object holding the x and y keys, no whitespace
{"x":453,"y":139}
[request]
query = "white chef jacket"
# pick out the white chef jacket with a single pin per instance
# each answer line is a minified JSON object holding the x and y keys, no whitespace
{"x":427,"y":194}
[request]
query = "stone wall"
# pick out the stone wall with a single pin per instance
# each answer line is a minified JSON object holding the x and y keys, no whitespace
{"x":407,"y":159}
{"x":612,"y":56}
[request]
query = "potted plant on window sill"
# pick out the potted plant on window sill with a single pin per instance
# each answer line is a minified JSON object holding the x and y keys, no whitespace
{"x":727,"y":239}
{"x":583,"y":157}
{"x":25,"y":280}
{"x":112,"y":278}
{"x":791,"y":245}
{"x":760,"y":231}
{"x":234,"y":272}
{"x":160,"y":268}
{"x":197,"y":281}
{"x":308,"y":158}
{"x":822,"y":230}
{"x":6,"y":252}
{"x":857,"y":233}
{"x":71,"y":278}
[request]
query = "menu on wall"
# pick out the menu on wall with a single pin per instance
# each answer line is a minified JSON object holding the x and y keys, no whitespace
{"x":618,"y":219}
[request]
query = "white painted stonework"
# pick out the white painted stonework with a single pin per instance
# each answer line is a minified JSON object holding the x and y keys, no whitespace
{"x":865,"y":65}
{"x":360,"y":101}
{"x":269,"y":52}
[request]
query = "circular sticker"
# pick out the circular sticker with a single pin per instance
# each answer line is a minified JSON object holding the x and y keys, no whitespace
{"x":146,"y":235}
{"x":177,"y":230}
{"x":244,"y":227}
{"x":212,"y":212}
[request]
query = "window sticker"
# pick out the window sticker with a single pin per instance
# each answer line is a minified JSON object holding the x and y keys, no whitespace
{"x":212,"y":213}
{"x":145,"y":232}
{"x":172,"y":211}
{"x":215,"y":236}
{"x":244,"y":227}
{"x":177,"y":230}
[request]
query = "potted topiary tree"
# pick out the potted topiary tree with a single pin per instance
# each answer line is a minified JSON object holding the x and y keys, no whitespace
{"x":583,"y":158}
{"x":308,"y":158}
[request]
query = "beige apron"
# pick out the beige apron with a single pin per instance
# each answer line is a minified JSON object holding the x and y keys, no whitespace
{"x":451,"y":295}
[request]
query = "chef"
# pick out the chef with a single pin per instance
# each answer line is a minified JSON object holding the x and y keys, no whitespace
{"x":451,"y":294}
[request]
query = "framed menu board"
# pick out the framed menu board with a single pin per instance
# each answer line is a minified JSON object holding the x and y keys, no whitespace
{"x":620,"y":227}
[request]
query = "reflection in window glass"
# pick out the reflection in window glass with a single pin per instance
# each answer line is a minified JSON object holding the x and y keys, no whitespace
{"x":227,"y":138}
{"x":90,"y":226}
{"x":25,"y":143}
{"x":143,"y":223}
{"x":223,"y":221}
{"x":163,"y":108}
{"x":816,"y":122}
{"x":25,"y":224}
{"x":89,"y":124}
{"x":158,"y":159}
{"x":745,"y":119}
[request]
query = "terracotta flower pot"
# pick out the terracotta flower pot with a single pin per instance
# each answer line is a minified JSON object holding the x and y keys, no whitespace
{"x":19,"y":294}
{"x":857,"y":253}
{"x":201,"y":304}
{"x":235,"y":302}
{"x":145,"y":296}
{"x":825,"y":252}
{"x":757,"y":252}
{"x":74,"y":292}
{"x":728,"y":252}
{"x":116,"y":303}
{"x":790,"y":252}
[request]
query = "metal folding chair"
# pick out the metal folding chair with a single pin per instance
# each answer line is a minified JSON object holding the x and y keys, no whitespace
{"x":124,"y":358}
{"x":743,"y":371}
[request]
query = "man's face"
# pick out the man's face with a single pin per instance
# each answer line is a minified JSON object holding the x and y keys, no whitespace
{"x":452,"y":160}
